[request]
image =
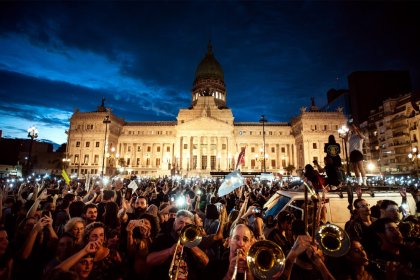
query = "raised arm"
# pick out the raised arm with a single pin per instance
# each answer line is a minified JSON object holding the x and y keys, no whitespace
{"x":159,"y":257}
{"x":30,"y":241}
{"x":90,"y":248}
{"x":36,"y":203}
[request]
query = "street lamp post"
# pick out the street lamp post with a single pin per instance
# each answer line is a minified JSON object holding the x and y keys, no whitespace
{"x":106,"y":121}
{"x":32,"y":133}
{"x":263,"y":120}
{"x":343,"y":132}
{"x":414,"y":155}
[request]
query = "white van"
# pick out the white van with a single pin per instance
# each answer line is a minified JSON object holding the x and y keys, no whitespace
{"x":337,"y":211}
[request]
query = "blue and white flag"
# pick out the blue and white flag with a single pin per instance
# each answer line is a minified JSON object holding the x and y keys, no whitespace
{"x":232,"y":181}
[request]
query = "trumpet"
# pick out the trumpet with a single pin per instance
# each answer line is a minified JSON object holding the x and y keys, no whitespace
{"x":333,"y":240}
{"x":190,"y":237}
{"x":264,"y":259}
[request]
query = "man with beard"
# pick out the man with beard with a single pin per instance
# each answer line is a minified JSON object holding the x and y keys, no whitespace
{"x":140,"y":207}
{"x":162,"y":251}
{"x":90,"y":213}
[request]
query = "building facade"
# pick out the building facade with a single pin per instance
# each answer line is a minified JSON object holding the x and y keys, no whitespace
{"x":202,"y":139}
{"x":393,"y":131}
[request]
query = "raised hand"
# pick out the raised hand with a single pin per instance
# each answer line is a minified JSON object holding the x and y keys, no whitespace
{"x":92,"y":247}
{"x":130,"y":226}
{"x":39,"y":226}
{"x":43,"y":195}
{"x":301,"y":244}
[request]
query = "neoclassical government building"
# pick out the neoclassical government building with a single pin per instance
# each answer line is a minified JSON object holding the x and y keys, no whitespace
{"x":202,"y":139}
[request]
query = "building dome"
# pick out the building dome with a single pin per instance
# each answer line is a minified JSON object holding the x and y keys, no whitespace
{"x":209,"y":67}
{"x":209,"y":80}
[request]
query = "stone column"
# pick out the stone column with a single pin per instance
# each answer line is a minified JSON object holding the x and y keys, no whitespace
{"x":199,"y":152}
{"x":208,"y":153}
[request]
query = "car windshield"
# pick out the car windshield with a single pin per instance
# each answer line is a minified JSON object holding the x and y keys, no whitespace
{"x":277,"y":207}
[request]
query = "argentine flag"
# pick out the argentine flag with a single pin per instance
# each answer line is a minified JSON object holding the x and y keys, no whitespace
{"x":232,"y":181}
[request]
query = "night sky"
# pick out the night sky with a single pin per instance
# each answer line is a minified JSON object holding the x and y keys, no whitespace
{"x":142,"y":56}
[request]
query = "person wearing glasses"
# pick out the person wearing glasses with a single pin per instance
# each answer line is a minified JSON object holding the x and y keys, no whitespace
{"x":358,"y":226}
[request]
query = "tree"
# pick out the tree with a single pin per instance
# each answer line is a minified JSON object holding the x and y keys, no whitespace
{"x":290,"y":169}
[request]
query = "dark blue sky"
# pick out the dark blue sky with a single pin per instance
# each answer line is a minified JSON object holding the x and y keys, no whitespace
{"x":142,"y":56}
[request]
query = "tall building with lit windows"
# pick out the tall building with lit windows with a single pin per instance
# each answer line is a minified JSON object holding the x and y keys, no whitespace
{"x":203,"y":138}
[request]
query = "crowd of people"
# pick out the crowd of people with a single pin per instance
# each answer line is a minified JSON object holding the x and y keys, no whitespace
{"x":52,"y":231}
{"x":171,"y":228}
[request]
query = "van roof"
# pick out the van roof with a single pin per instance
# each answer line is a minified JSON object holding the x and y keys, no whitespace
{"x":380,"y":193}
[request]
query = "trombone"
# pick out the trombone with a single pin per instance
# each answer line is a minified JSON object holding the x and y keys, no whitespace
{"x":264,"y":259}
{"x":333,"y":240}
{"x":190,"y":237}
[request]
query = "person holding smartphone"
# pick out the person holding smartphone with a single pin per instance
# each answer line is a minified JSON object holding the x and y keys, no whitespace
{"x":253,"y":216}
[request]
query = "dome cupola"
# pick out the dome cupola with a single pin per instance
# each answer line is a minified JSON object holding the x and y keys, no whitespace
{"x":209,"y":79}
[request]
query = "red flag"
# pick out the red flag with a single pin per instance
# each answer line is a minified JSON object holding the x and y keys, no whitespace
{"x":241,"y":158}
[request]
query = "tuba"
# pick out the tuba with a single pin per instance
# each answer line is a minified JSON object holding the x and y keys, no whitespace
{"x":333,"y":240}
{"x":265,"y":259}
{"x":190,"y":237}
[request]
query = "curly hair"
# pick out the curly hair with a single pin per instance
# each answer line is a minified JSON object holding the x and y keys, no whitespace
{"x":90,"y":228}
{"x":70,"y":224}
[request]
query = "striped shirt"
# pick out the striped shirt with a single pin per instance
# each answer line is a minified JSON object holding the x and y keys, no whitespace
{"x":355,"y":142}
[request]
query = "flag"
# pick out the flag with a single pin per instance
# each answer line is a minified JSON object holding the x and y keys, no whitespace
{"x":232,"y":181}
{"x":241,"y":158}
{"x":65,"y":176}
